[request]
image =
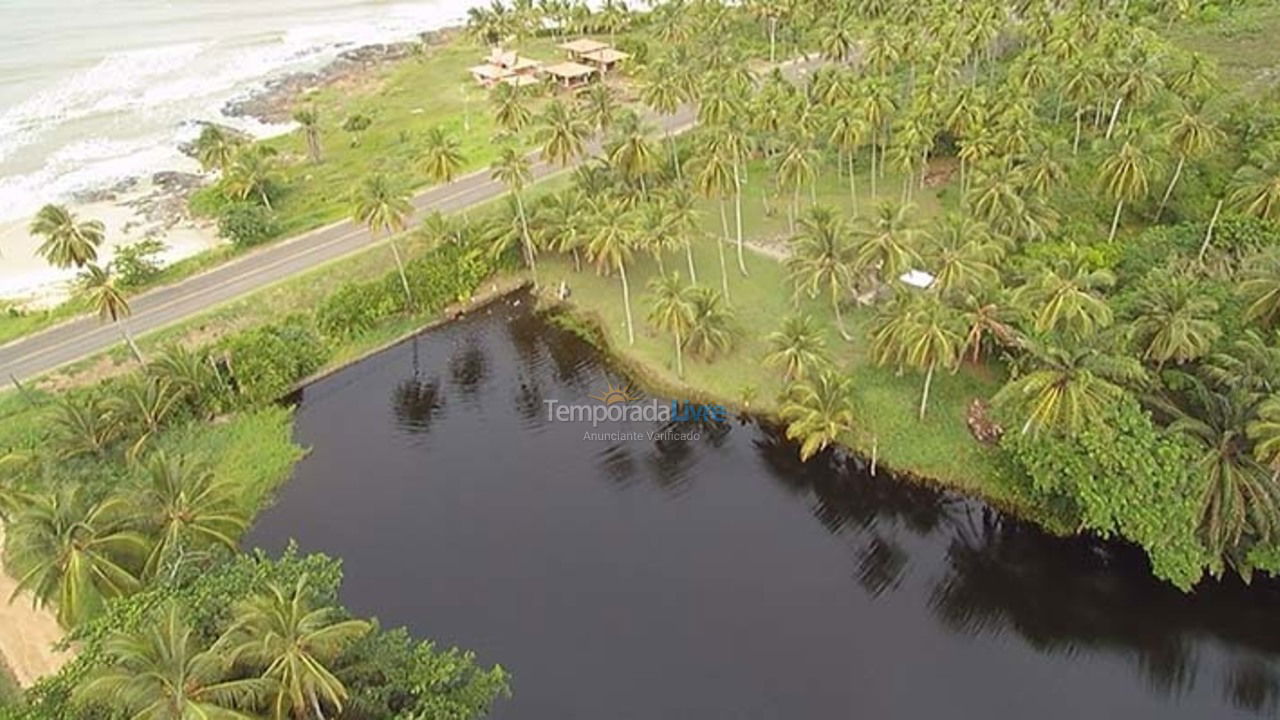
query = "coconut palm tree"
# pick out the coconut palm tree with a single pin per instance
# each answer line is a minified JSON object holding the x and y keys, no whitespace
{"x":799,"y":347}
{"x":1067,"y":387}
{"x":512,"y":168}
{"x":962,"y":255}
{"x":609,"y":245}
{"x":1191,"y":134}
{"x":108,"y":301}
{"x":600,"y":108}
{"x":383,"y":206}
{"x":1065,"y":298}
{"x":1257,"y":184}
{"x":711,"y":327}
{"x":663,"y":94}
{"x":818,"y":411}
{"x":681,"y":219}
{"x":714,"y":179}
{"x":356,"y":124}
{"x":632,"y":154}
{"x":672,"y":311}
{"x":309,"y":119}
{"x":795,"y":168}
{"x":1174,"y":323}
{"x":919,"y":331}
{"x":160,"y":671}
{"x":988,"y":316}
{"x":80,"y":426}
{"x":186,"y":509}
{"x":509,"y":108}
{"x":140,"y":406}
{"x":1240,"y":497}
{"x":886,"y":242}
{"x":823,"y":259}
{"x":67,"y":241}
{"x":294,"y":645}
{"x":1125,"y":175}
{"x":216,"y":148}
{"x":74,"y":552}
{"x":1260,"y":288}
{"x":562,"y":133}
{"x":441,"y":156}
{"x":848,"y":133}
{"x":251,"y":175}
{"x":1264,"y":431}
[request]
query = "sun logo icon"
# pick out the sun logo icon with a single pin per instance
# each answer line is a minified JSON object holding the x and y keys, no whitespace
{"x":617,"y":394}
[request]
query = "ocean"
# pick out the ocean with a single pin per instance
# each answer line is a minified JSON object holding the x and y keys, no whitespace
{"x":94,"y":91}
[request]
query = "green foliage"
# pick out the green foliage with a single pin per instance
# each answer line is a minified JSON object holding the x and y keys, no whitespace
{"x":1126,"y":478}
{"x":246,"y":223}
{"x":136,"y":263}
{"x":265,"y":362}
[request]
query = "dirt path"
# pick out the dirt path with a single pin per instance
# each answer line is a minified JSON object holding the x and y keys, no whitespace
{"x":27,"y":634}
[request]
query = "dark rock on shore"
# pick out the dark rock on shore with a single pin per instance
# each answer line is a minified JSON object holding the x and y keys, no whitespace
{"x":105,"y":194}
{"x":274,"y":102}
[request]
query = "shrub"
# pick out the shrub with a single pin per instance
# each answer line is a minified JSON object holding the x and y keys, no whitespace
{"x":356,"y":307}
{"x":265,"y":362}
{"x":137,"y":263}
{"x":247,"y":224}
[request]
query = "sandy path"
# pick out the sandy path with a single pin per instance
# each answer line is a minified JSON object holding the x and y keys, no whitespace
{"x":27,"y":634}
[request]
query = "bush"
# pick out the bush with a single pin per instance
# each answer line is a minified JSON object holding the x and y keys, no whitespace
{"x":137,"y":263}
{"x":247,"y":224}
{"x":357,"y":307}
{"x":266,"y":362}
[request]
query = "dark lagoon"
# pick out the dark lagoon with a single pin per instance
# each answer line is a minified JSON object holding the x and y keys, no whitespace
{"x":719,"y":577}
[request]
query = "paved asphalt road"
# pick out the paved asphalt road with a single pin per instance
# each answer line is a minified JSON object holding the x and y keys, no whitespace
{"x":44,"y":351}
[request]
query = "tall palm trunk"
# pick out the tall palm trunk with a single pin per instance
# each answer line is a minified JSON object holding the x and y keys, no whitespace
{"x":529,"y":256}
{"x":1208,"y":235}
{"x":404,"y":279}
{"x":1115,"y":113}
{"x":1115,"y":221}
{"x":688,"y":255}
{"x":853,"y":186}
{"x":626,"y":302}
{"x":675,"y":155}
{"x":773,"y":39}
{"x":724,"y":271}
{"x":835,"y":305}
{"x":1177,"y":173}
{"x":874,"y":197}
{"x":679,"y":355}
{"x":737,"y":211}
{"x":128,"y":339}
{"x":924,"y":396}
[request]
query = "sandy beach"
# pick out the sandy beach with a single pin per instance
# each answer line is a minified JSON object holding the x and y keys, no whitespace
{"x":27,"y":634}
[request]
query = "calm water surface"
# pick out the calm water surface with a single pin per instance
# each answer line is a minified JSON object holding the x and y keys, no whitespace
{"x":721,"y":578}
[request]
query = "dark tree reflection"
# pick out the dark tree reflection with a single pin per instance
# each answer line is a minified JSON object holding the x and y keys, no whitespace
{"x":468,"y":367}
{"x":417,"y":403}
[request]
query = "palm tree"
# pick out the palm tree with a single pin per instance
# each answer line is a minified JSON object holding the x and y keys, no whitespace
{"x":1257,"y":184}
{"x":1265,"y":434}
{"x":509,"y":109}
{"x":442,"y":156}
{"x":356,"y":124}
{"x":715,"y":179}
{"x":887,"y":242}
{"x":80,"y":426}
{"x":1067,"y":387}
{"x":106,"y":299}
{"x":663,"y":94}
{"x":799,"y":347}
{"x":796,"y":169}
{"x":216,"y":148}
{"x":309,"y":119}
{"x":599,"y":107}
{"x":384,"y":207}
{"x":1125,"y":175}
{"x":1191,"y":135}
{"x":818,"y":411}
{"x":1066,"y":299}
{"x":823,"y":259}
{"x":1174,"y":323}
{"x":987,"y":315}
{"x":140,"y":406}
{"x":512,"y":169}
{"x":67,"y":241}
{"x":160,"y":671}
{"x":680,"y":218}
{"x":632,"y":154}
{"x":294,"y":645}
{"x":961,"y":254}
{"x":610,"y":244}
{"x":186,"y":510}
{"x":711,"y":326}
{"x":672,"y":311}
{"x":1260,"y":288}
{"x":74,"y":553}
{"x":918,"y":331}
{"x":252,"y":174}
{"x":561,"y":133}
{"x":848,"y":132}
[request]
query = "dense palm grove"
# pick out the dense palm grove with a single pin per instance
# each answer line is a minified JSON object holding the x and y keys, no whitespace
{"x":1108,"y":246}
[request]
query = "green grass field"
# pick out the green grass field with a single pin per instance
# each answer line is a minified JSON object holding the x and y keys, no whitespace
{"x":1243,"y":42}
